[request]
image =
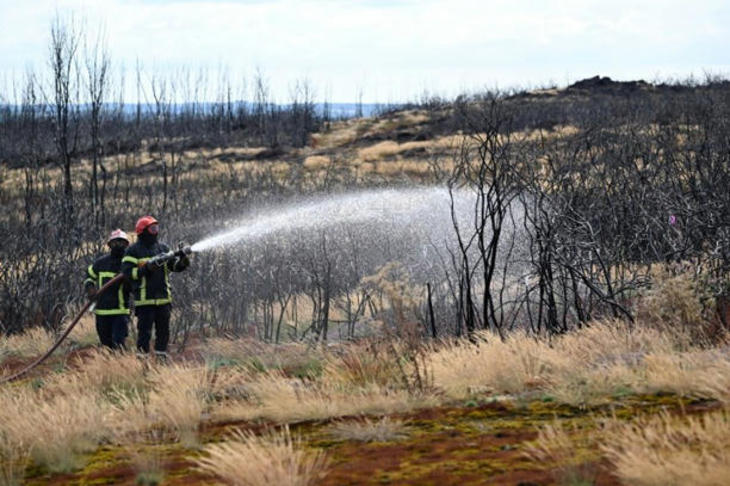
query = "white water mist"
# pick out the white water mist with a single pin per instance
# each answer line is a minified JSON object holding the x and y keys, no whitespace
{"x":385,"y":205}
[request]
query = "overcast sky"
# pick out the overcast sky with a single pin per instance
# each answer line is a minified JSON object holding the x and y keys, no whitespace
{"x":391,"y":50}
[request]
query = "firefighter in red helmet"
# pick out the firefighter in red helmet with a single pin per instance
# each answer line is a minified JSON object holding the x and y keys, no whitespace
{"x":151,"y":284}
{"x":112,"y":308}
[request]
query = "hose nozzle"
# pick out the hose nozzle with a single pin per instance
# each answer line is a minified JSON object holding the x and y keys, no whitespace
{"x":183,"y":250}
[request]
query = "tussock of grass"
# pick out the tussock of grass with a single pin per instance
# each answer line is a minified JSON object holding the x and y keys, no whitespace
{"x":13,"y":459}
{"x":31,"y":343}
{"x":566,"y":451}
{"x":56,"y":430}
{"x":383,"y":430}
{"x":101,"y":371}
{"x":130,"y":414}
{"x":678,"y":304}
{"x":360,"y":366}
{"x":271,"y":459}
{"x":667,"y":450}
{"x":285,"y":400}
{"x":178,"y":398}
{"x":581,"y":368}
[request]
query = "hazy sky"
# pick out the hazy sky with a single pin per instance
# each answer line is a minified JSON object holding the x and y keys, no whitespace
{"x":391,"y":50}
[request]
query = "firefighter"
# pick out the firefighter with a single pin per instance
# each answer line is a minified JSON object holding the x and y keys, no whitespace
{"x":112,"y":308}
{"x":151,"y":285}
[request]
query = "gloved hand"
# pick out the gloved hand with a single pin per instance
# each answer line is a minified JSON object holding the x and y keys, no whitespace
{"x":148,"y":266}
{"x":90,"y":293}
{"x":182,"y":263}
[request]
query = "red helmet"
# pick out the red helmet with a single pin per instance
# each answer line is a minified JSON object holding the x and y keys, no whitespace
{"x":143,"y":223}
{"x":118,"y":234}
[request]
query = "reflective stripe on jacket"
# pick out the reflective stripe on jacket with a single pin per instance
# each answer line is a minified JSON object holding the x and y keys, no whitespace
{"x":150,"y":287}
{"x":115,"y":301}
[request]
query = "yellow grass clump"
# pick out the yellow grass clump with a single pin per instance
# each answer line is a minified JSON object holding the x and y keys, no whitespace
{"x":174,"y":397}
{"x":103,"y":371}
{"x":317,"y":162}
{"x":271,"y":459}
{"x":667,"y":450}
{"x":30,"y":343}
{"x":389,"y":148}
{"x":567,"y":450}
{"x":677,"y":303}
{"x":413,"y":167}
{"x":13,"y":460}
{"x":178,"y":398}
{"x":581,"y":368}
{"x":56,"y":430}
{"x":383,"y":430}
{"x":280,"y":399}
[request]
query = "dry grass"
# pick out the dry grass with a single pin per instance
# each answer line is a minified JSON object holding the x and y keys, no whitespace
{"x":678,"y":304}
{"x":31,"y":343}
{"x":383,"y":430}
{"x":277,"y":398}
{"x":340,"y":133}
{"x":259,"y":356}
{"x":147,"y":458}
{"x":581,"y":368}
{"x":56,"y":430}
{"x":129,"y":412}
{"x":362,"y":366}
{"x":317,"y":162}
{"x":409,"y":166}
{"x":84,"y":334}
{"x":13,"y":460}
{"x":37,"y":340}
{"x":568,"y":452}
{"x":178,"y":398}
{"x":271,"y":459}
{"x":667,"y":450}
{"x":584,"y":368}
{"x":114,"y":396}
{"x":101,"y":371}
{"x":389,"y":148}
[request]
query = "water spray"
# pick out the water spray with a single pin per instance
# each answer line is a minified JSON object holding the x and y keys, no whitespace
{"x":181,"y":252}
{"x":350,"y":208}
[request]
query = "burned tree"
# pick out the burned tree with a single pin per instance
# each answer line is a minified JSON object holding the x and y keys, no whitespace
{"x":65,"y":39}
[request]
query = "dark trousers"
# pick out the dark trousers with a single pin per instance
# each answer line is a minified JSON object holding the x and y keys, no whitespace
{"x":159,"y":315}
{"x":112,"y":330}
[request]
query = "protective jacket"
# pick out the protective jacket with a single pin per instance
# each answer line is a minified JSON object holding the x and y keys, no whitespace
{"x":115,"y":301}
{"x":151,"y":287}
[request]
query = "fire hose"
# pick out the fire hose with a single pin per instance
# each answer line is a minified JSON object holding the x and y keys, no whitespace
{"x":156,"y":260}
{"x":47,"y":354}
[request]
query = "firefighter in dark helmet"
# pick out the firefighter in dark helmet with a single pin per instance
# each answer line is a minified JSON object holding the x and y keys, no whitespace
{"x":151,"y":284}
{"x":112,"y":307}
